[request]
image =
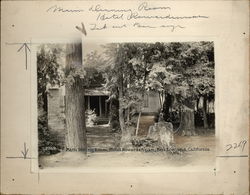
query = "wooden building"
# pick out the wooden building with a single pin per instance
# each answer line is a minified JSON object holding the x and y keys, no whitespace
{"x":96,"y":99}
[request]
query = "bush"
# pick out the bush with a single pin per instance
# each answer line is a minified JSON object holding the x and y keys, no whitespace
{"x":48,"y":142}
{"x":145,"y":144}
{"x":90,"y":117}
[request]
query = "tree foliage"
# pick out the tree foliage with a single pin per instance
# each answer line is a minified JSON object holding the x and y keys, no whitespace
{"x":183,"y":70}
{"x":186,"y":69}
{"x":49,"y":71}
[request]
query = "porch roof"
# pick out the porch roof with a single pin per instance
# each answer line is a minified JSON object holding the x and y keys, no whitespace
{"x":97,"y":92}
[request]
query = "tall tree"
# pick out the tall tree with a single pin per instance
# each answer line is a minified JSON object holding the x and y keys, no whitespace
{"x":196,"y":66}
{"x":202,"y":75}
{"x":74,"y":92}
{"x":116,"y":84}
{"x":121,"y":68}
{"x":141,"y":59}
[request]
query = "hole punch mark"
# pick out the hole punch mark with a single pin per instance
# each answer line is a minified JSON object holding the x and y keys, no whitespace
{"x":214,"y":171}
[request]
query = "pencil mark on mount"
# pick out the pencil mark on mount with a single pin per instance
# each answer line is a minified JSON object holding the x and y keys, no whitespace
{"x":173,"y":27}
{"x":56,"y":8}
{"x":142,"y":26}
{"x":95,"y":27}
{"x":136,"y":15}
{"x":144,"y":7}
{"x":232,"y":156}
{"x":240,"y":145}
{"x":83,"y":30}
{"x":24,"y":153}
{"x":25,"y":46}
{"x":98,"y":8}
{"x":105,"y":26}
{"x":26,"y":49}
{"x":142,"y":11}
{"x":21,"y":43}
{"x":38,"y":177}
{"x":119,"y":26}
{"x":105,"y":17}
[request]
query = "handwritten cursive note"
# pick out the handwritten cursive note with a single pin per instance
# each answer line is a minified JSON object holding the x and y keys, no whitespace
{"x":56,"y":8}
{"x":142,"y":16}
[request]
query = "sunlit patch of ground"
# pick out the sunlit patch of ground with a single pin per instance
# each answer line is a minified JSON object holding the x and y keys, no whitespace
{"x":145,"y":122}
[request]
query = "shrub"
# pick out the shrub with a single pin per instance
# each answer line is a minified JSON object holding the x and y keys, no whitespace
{"x":48,"y":142}
{"x":145,"y":143}
{"x":90,"y":118}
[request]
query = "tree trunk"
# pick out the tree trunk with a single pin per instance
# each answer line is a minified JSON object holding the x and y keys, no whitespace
{"x":197,"y":104}
{"x":204,"y":111}
{"x":141,"y":107}
{"x":126,"y":136}
{"x":121,"y":110}
{"x":160,"y":99}
{"x":110,"y":115}
{"x":74,"y":110}
{"x":45,"y":101}
{"x":138,"y":124}
{"x":139,"y":117}
{"x":128,"y":114}
{"x":187,"y":122}
{"x":166,"y":106}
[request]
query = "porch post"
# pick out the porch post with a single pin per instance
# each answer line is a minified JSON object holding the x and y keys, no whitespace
{"x":88,"y":102}
{"x":100,"y":105}
{"x":106,"y":108}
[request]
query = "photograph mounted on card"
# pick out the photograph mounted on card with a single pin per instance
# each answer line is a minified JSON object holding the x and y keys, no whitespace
{"x":143,"y":104}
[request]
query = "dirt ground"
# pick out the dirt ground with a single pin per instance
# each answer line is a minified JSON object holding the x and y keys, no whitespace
{"x":199,"y":151}
{"x":196,"y":151}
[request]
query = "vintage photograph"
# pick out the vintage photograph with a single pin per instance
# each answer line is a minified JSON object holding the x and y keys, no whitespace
{"x":126,"y":104}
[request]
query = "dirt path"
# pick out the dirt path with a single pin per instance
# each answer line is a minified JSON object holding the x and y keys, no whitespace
{"x":145,"y":122}
{"x":101,"y":137}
